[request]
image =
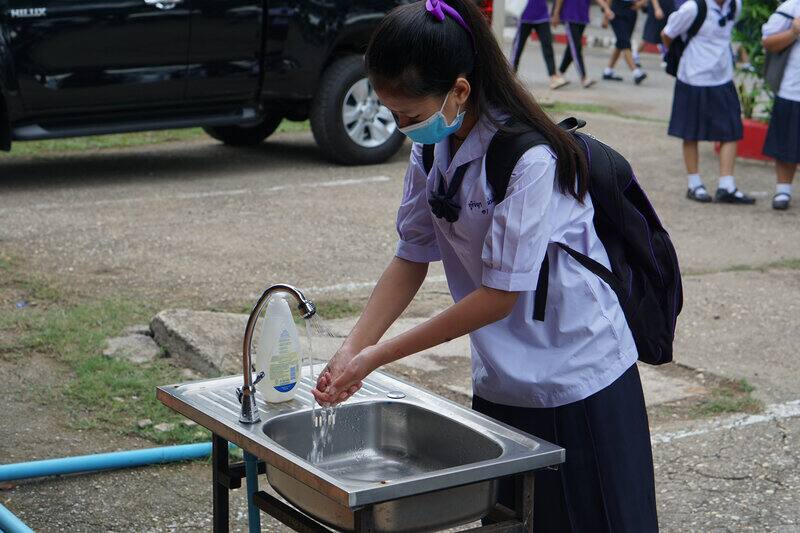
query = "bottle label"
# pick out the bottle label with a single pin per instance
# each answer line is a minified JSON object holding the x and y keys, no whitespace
{"x":283,"y":368}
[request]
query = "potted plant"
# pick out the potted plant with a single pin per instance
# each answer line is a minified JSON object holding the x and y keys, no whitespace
{"x":754,"y":95}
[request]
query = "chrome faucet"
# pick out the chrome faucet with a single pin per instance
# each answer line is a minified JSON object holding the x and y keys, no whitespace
{"x":247,"y":394}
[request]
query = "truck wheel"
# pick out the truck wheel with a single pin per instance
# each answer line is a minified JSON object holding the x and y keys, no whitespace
{"x":348,"y":122}
{"x":245,"y":135}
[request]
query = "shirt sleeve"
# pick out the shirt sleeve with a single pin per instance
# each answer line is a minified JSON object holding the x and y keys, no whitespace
{"x":778,"y":23}
{"x":417,"y":241}
{"x":681,"y":20}
{"x":517,"y":239}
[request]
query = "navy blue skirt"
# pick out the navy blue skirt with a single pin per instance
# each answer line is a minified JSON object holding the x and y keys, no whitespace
{"x":607,"y":482}
{"x":706,"y":113}
{"x":652,"y":26}
{"x":623,"y":23}
{"x":783,"y":136}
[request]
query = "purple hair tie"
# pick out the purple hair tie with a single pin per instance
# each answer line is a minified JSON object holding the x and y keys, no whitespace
{"x":438,"y":8}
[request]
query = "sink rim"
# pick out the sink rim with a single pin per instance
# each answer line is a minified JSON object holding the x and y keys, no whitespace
{"x":521,"y":452}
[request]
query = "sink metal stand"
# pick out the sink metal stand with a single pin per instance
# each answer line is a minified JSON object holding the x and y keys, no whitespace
{"x":227,"y":476}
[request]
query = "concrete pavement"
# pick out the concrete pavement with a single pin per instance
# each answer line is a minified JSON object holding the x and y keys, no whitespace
{"x":196,"y":224}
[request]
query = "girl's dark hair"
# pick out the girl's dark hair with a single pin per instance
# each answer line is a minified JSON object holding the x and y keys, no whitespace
{"x":412,"y":52}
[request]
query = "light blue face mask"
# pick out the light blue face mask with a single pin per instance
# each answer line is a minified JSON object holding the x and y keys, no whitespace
{"x":434,"y":129}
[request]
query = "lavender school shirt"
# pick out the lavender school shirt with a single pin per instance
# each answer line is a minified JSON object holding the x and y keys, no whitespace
{"x":535,"y":12}
{"x":576,"y":11}
{"x":585,"y":343}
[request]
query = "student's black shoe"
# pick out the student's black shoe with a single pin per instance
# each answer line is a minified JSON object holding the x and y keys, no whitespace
{"x":640,"y":78}
{"x":698,"y":194}
{"x":781,"y":201}
{"x":612,"y":77}
{"x":723,"y":196}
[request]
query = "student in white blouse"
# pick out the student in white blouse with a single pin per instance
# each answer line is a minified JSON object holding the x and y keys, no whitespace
{"x":571,"y":379}
{"x":706,"y":106}
{"x":780,"y":32}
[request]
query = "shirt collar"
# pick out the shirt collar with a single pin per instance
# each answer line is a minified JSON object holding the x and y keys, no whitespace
{"x":473,"y":147}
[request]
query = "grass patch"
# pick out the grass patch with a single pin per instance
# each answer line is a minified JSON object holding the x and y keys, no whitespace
{"x":732,"y":398}
{"x":564,"y":108}
{"x":790,"y":264}
{"x":124,"y":140}
{"x":570,"y":108}
{"x":102,"y":393}
{"x":337,"y":308}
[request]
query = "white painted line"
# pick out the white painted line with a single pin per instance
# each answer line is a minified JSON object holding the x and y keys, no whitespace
{"x":355,"y":286}
{"x":198,"y":195}
{"x":772,"y":412}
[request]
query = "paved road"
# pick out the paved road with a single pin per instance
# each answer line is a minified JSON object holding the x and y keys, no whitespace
{"x":198,"y":224}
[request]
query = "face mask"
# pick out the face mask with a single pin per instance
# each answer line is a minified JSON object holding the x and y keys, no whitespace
{"x":434,"y":129}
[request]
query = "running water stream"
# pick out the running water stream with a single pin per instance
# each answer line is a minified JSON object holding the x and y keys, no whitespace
{"x":322,"y":418}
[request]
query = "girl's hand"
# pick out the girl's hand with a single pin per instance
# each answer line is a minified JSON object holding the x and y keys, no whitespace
{"x":340,"y":381}
{"x":555,"y":20}
{"x":609,"y":16}
{"x":796,"y":26}
{"x":339,"y":360}
{"x":659,"y":13}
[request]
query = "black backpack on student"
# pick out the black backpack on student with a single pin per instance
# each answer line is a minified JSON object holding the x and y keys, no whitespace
{"x":679,"y":44}
{"x":644,"y":267}
{"x":775,"y":63}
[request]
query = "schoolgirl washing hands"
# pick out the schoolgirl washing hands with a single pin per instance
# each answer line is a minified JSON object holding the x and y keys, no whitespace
{"x":570,"y":379}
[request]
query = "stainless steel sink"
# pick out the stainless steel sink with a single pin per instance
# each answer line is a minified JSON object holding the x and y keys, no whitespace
{"x":382,"y":442}
{"x":414,"y":460}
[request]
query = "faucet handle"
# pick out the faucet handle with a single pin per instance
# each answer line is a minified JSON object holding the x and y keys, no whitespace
{"x":240,"y":391}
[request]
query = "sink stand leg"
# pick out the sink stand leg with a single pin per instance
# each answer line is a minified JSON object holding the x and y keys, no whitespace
{"x":363,"y":520}
{"x":219,"y":468}
{"x":253,"y":513}
{"x":524,"y":503}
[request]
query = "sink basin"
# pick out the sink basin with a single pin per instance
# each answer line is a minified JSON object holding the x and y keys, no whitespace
{"x":404,"y":458}
{"x":383,"y":442}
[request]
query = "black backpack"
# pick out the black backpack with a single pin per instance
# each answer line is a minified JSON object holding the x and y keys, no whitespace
{"x":644,"y":267}
{"x":775,"y":63}
{"x":679,"y":44}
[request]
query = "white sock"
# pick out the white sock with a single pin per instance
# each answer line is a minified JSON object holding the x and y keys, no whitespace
{"x":728,"y":183}
{"x":637,"y":72}
{"x":636,"y":56}
{"x":784,"y":188}
{"x":694,"y":181}
{"x":608,"y":71}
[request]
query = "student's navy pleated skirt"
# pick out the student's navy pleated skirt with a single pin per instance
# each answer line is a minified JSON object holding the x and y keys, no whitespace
{"x":783,"y":136}
{"x":607,"y":482}
{"x":706,"y":113}
{"x":653,"y":26}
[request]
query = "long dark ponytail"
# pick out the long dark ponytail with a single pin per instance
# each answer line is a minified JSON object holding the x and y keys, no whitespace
{"x":418,"y":55}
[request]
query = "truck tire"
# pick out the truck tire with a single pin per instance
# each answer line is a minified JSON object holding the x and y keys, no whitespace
{"x":246,"y":135}
{"x":349,"y":124}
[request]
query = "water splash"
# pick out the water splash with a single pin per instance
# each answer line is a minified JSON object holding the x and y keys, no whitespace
{"x":322,"y":418}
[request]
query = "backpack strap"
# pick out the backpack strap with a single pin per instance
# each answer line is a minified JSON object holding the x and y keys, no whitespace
{"x":505,"y":149}
{"x":700,"y":18}
{"x":593,"y":266}
{"x":427,"y":157}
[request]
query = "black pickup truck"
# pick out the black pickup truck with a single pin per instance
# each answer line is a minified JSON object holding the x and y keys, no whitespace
{"x":233,"y":67}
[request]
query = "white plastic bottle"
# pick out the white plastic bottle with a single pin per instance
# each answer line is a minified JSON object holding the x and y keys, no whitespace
{"x":278,"y":354}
